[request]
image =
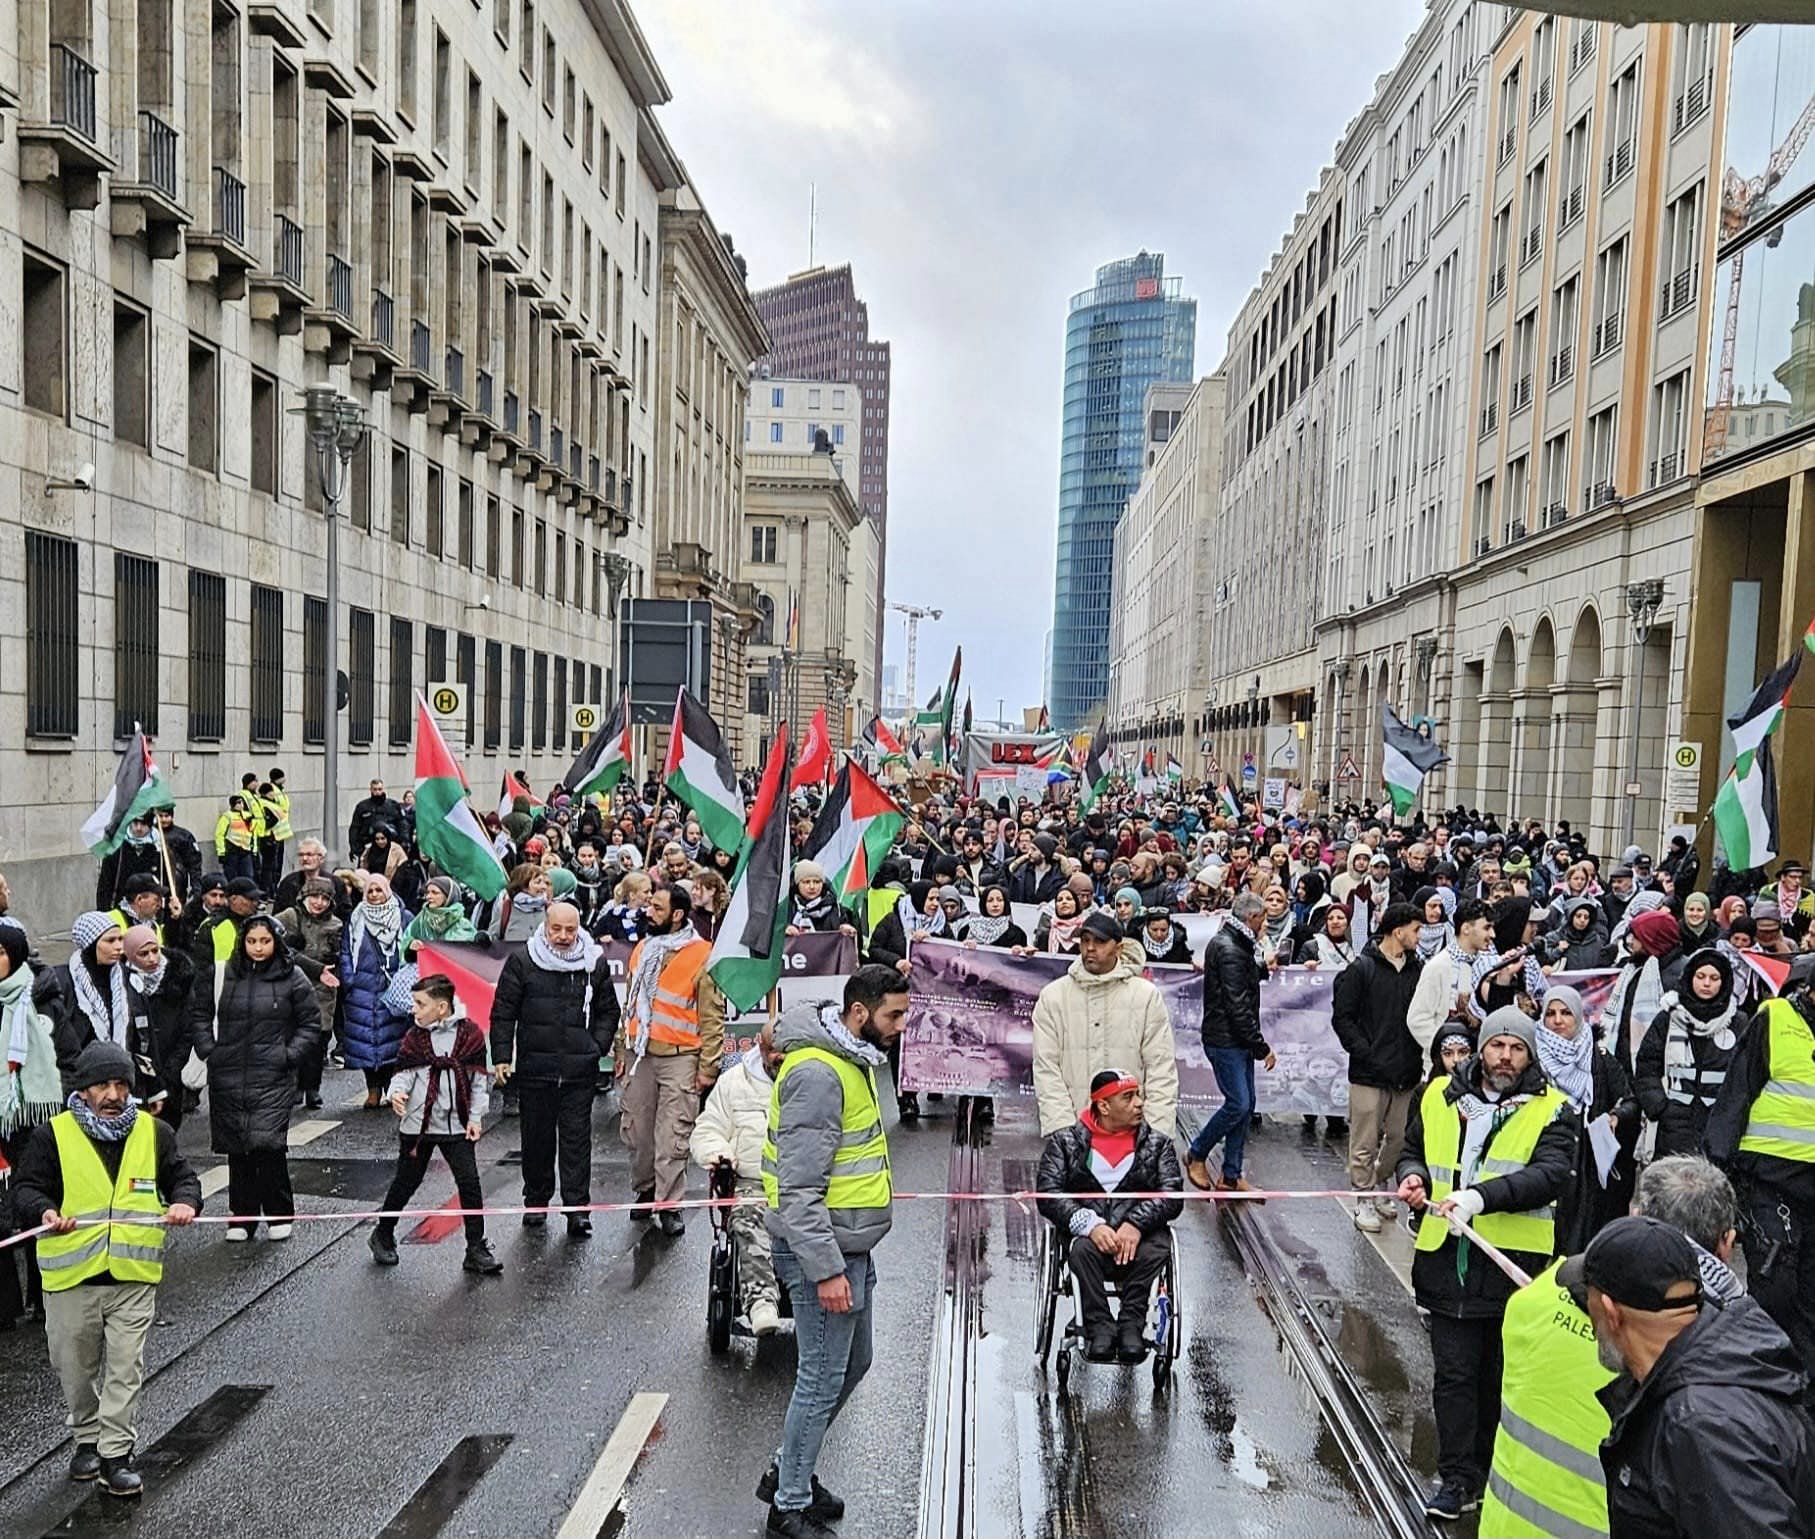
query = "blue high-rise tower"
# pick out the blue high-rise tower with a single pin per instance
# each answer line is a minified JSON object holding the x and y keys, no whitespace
{"x":1128,"y":331}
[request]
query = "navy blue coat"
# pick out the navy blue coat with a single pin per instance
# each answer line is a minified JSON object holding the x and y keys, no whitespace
{"x":373,"y":1033}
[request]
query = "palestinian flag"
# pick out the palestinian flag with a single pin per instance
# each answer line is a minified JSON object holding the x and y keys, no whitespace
{"x":699,"y":772}
{"x":815,"y":753}
{"x":1808,"y":636}
{"x":1095,"y":773}
{"x":1175,"y":771}
{"x":513,"y":788}
{"x":855,"y":829}
{"x":1406,"y":759}
{"x":1225,"y":795}
{"x":1773,"y":972}
{"x":884,"y":743}
{"x":474,"y":967}
{"x":968,"y":718}
{"x":949,"y":700}
{"x":1761,"y":714}
{"x":925,"y":729}
{"x":605,"y":760}
{"x":447,"y":829}
{"x":137,"y":789}
{"x":1745,"y":809}
{"x":746,"y":958}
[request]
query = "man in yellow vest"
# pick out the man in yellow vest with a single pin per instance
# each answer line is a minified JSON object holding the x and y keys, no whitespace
{"x":106,"y":1179}
{"x":669,"y":1052}
{"x":274,"y":845}
{"x":142,"y":901}
{"x":1762,"y":1133}
{"x":1493,"y":1146}
{"x":828,"y":1188}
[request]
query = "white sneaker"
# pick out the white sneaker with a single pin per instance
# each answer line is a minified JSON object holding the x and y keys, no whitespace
{"x":765,"y":1318}
{"x":1387,"y":1207}
{"x":1366,"y":1219}
{"x":238,"y":1236}
{"x":277,"y":1231}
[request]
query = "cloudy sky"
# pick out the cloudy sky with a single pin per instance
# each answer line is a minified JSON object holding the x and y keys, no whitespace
{"x":975,"y":160}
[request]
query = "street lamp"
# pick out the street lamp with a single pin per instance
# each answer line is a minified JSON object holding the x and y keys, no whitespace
{"x":337,"y":428}
{"x":1642,"y":601}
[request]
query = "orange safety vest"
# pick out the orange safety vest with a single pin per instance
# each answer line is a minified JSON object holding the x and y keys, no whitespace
{"x":674,"y":1013}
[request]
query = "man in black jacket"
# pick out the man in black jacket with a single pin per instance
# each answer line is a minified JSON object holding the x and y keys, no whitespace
{"x":1111,"y":1148}
{"x":1368,"y":1005}
{"x":1033,"y":878}
{"x":1709,"y":1435}
{"x":1469,"y":1151}
{"x":976,"y":872}
{"x":373,"y":813}
{"x":1233,"y":1043}
{"x":554,"y":1016}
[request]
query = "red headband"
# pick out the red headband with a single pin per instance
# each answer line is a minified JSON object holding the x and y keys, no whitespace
{"x":1115,"y":1087}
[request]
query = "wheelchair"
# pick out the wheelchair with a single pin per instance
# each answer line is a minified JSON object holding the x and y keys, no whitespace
{"x":724,"y":1309}
{"x":1167,"y":1337}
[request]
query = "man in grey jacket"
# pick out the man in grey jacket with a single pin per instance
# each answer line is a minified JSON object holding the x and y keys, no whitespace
{"x":826,"y":1181}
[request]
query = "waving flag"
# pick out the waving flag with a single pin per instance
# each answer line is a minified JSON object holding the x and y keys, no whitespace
{"x":949,"y":700}
{"x":605,"y":760}
{"x":1745,"y":807}
{"x":886,"y":745}
{"x":855,"y":829}
{"x":699,"y":773}
{"x":815,"y":753}
{"x":1225,"y":795}
{"x":136,"y":790}
{"x":1096,"y":772}
{"x":1406,"y":759}
{"x":447,"y":828}
{"x":514,"y":787}
{"x":746,"y":958}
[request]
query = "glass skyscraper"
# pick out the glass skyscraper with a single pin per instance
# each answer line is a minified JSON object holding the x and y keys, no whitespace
{"x":1129,"y":330}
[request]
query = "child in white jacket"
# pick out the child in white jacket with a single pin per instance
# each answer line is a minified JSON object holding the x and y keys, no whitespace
{"x":732,"y":1128}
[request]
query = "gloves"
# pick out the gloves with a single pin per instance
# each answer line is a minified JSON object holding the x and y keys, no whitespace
{"x":1465,"y":1208}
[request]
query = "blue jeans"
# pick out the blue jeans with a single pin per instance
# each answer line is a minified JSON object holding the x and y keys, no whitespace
{"x":1234,"y":1070}
{"x":833,"y":1354}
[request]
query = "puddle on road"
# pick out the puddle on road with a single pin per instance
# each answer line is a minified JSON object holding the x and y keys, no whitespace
{"x":1216,"y":1401}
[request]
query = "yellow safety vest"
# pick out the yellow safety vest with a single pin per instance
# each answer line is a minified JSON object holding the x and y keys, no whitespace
{"x":860,"y":1166}
{"x":221,"y":936}
{"x":119,"y":1234}
{"x":126,"y":921}
{"x":879,"y":903}
{"x":1782,"y":1122}
{"x":278,"y":805}
{"x":1547,"y":1480}
{"x":232,"y":829}
{"x":255,"y":805}
{"x":1507,"y":1151}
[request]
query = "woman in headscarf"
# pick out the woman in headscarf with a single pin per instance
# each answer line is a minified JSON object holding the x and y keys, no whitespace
{"x":371,"y":952}
{"x":1434,"y":930}
{"x":994,"y":925}
{"x":312,"y":932}
{"x":382,"y":855}
{"x":88,"y":999}
{"x":1697,"y":922}
{"x":1057,"y":932}
{"x":1332,"y":946}
{"x":1162,"y":940}
{"x":441,"y":918}
{"x":160,"y":983}
{"x":1276,"y":938}
{"x":1597,"y":1087}
{"x":1684,"y":1056}
{"x":1580,"y":942}
{"x":1310,"y":898}
{"x":266,"y":1026}
{"x":815,"y":910}
{"x":31,"y":1093}
{"x":1652,"y":968}
{"x":1127,"y":908}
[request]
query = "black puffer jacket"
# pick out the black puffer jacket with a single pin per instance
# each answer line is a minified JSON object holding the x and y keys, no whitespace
{"x":54,"y":996}
{"x":1482,"y":1289}
{"x":1681,"y":1124}
{"x":539,"y":1019}
{"x":165,"y":1012}
{"x":1715,"y":1441}
{"x":1233,"y":972}
{"x":265,"y":1029}
{"x":1368,"y":1003}
{"x":1065,"y":1167}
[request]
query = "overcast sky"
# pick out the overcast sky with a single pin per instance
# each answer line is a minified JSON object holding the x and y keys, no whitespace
{"x":975,"y":161}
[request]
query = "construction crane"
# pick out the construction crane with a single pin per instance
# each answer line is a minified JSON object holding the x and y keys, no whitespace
{"x":1741,"y":200}
{"x":915,"y":614}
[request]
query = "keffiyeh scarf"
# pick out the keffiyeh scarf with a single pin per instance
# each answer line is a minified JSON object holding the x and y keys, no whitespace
{"x":111,"y":1018}
{"x":103,"y":1130}
{"x":639,"y":997}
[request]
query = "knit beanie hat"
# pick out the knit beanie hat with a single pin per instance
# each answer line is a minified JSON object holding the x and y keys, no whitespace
{"x":1511,"y":1021}
{"x":89,"y":928}
{"x":100,"y":1062}
{"x":448,"y":888}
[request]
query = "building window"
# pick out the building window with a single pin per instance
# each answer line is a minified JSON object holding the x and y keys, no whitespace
{"x":444,"y":104}
{"x":52,"y":636}
{"x":757,"y":699}
{"x":519,"y":665}
{"x":207,"y":657}
{"x":362,"y":671}
{"x":406,"y":58}
{"x":204,"y":407}
{"x":494,"y":693}
{"x":315,"y":666}
{"x":465,"y":514}
{"x":762,"y":542}
{"x":494,"y":535}
{"x":131,"y":375}
{"x":359,"y":494}
{"x":538,"y":719}
{"x":267,"y":659}
{"x":466,"y":672}
{"x":135,"y":644}
{"x":400,"y":496}
{"x":403,"y":680}
{"x":434,"y":656}
{"x":1669,"y":427}
{"x":558,"y":713}
{"x":43,"y":338}
{"x":560,"y":567}
{"x":775,"y":430}
{"x":264,"y":423}
{"x":517,"y":573}
{"x":541,"y":558}
{"x":431,"y":494}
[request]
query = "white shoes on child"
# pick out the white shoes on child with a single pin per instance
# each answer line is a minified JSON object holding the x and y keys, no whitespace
{"x":765,"y":1318}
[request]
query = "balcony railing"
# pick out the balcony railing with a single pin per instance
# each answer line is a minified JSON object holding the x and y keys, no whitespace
{"x":609,"y":489}
{"x":1562,"y":365}
{"x":1597,"y":495}
{"x":1619,"y":161}
{"x":1496,"y":285}
{"x":229,"y":206}
{"x":1678,"y":292}
{"x":510,"y":411}
{"x":1531,"y":245}
{"x":1515,"y":531}
{"x":1666,"y":468}
{"x":420,"y":346}
{"x":484,"y":385}
{"x":1583,"y":49}
{"x":1521,"y":394}
{"x":287,"y":258}
{"x":1483,"y":544}
{"x":455,"y":376}
{"x":1691,"y":104}
{"x":1509,"y":141}
{"x":1555,"y":514}
{"x":72,"y":91}
{"x":1540,"y":98}
{"x":1490,"y":417}
{"x":535,"y":430}
{"x":157,"y":154}
{"x":384,"y":319}
{"x":340,"y":286}
{"x":1607,"y":334}
{"x":1571,"y":209}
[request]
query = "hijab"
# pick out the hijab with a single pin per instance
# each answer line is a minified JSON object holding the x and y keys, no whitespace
{"x":240,"y":965}
{"x":449,"y":921}
{"x":382,"y":923}
{"x":1568,"y":1062}
{"x":984,"y":928}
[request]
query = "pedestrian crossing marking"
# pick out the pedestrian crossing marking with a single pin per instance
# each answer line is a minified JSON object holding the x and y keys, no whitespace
{"x":606,"y":1482}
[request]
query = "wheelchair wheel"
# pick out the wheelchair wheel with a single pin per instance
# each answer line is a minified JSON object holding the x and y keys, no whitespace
{"x":1047,"y":1309}
{"x":1065,"y":1356}
{"x":721,"y":1298}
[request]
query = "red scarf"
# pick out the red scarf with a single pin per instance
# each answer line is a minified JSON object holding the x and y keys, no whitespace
{"x":466,"y":1060}
{"x":1114,"y":1147}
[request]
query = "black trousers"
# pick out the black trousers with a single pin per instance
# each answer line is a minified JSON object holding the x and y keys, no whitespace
{"x":413,"y":1156}
{"x":1465,"y":1394}
{"x":1780,"y":1270}
{"x":557,"y":1123}
{"x":1135,"y":1280}
{"x":260,"y":1183}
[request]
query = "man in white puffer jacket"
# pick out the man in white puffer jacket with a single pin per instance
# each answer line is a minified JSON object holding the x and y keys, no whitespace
{"x":732,"y":1128}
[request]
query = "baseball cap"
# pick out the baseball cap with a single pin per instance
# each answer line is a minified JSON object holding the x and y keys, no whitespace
{"x":1101,"y":925}
{"x":1636,"y":1262}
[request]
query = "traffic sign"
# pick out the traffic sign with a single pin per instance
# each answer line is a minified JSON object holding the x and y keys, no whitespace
{"x":1348,"y":769}
{"x":1683,"y":777}
{"x":447,"y":700}
{"x":1212,"y":769}
{"x":585,"y":718}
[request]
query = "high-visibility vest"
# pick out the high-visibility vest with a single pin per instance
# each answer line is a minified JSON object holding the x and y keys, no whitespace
{"x":232,"y":829}
{"x":860,"y":1165}
{"x":674,"y":1012}
{"x":256,"y":808}
{"x":1547,"y":1479}
{"x":1782,"y":1121}
{"x":1508,"y":1150}
{"x":879,"y":903}
{"x":221,"y":936}
{"x":126,"y":921}
{"x":120,"y":1235}
{"x":278,"y":805}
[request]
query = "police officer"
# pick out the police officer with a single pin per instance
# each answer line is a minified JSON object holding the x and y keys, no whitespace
{"x":1493,"y":1146}
{"x":275,"y":847}
{"x":101,"y":1174}
{"x":1762,"y":1132}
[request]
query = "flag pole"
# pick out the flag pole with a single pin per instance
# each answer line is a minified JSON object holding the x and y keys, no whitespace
{"x":169,"y":870}
{"x":655,"y":817}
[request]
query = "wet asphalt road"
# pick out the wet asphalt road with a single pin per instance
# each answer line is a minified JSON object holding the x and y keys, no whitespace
{"x":299,"y":1390}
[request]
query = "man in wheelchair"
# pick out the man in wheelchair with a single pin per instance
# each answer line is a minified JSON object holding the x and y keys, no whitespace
{"x":1120,"y":1239}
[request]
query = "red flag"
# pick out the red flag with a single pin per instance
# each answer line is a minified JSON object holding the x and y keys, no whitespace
{"x":815,"y":761}
{"x":768,"y":789}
